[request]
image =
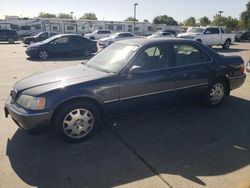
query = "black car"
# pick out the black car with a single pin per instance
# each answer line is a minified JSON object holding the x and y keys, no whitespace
{"x":242,"y":36}
{"x":39,"y":37}
{"x":126,"y":76}
{"x":8,"y":35}
{"x":64,"y":44}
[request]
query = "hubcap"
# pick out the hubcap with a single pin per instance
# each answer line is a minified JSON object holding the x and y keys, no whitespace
{"x":43,"y":55}
{"x":78,"y":123}
{"x":217,"y":93}
{"x":227,"y":44}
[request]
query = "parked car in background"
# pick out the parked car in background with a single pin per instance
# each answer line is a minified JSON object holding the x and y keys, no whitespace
{"x":98,"y":34}
{"x":63,"y":44}
{"x":164,"y":34}
{"x":242,"y":36}
{"x":8,"y":35}
{"x":209,"y":36}
{"x":127,"y":76}
{"x":28,"y":34}
{"x":39,"y":37}
{"x":104,"y":42}
{"x":248,"y":66}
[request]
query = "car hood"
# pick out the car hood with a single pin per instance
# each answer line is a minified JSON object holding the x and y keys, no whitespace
{"x":188,"y":34}
{"x":37,"y":44}
{"x":106,"y":39}
{"x":64,"y":76}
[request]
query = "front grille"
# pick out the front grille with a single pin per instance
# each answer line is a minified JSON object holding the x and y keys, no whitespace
{"x":13,"y":94}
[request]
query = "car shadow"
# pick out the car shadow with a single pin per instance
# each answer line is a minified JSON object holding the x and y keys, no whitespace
{"x":6,"y":43}
{"x":186,"y":140}
{"x":230,"y":50}
{"x":64,"y":58}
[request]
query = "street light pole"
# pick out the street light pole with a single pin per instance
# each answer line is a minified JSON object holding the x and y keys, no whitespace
{"x":135,"y":4}
{"x":72,"y":15}
{"x":220,"y":12}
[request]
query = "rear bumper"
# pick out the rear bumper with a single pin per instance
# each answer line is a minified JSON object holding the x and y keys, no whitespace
{"x":26,"y":119}
{"x":236,"y":81}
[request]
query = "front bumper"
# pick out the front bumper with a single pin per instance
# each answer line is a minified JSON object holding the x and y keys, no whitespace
{"x":236,"y":81}
{"x":26,"y":119}
{"x":31,"y":53}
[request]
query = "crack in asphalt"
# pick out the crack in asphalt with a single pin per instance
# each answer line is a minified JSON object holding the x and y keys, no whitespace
{"x":140,"y":158}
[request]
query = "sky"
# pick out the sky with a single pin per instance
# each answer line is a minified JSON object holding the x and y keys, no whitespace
{"x":118,"y":10}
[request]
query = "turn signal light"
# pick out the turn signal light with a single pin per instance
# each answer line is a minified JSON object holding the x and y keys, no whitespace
{"x":242,"y":69}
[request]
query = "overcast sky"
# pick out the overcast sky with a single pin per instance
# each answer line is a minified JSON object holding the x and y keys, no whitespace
{"x":121,"y":9}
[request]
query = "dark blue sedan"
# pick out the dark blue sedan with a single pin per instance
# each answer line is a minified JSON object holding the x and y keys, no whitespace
{"x":61,"y":45}
{"x":126,"y":76}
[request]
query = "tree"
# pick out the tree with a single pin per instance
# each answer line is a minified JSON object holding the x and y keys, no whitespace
{"x":190,"y":21}
{"x":245,"y":17}
{"x":204,"y":21}
{"x":219,"y":20}
{"x":164,"y":19}
{"x":64,"y":16}
{"x":46,"y":15}
{"x":146,"y":21}
{"x":228,"y":22}
{"x":131,"y":19}
{"x":89,"y":16}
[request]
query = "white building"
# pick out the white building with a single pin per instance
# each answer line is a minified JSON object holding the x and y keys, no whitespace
{"x":28,"y":25}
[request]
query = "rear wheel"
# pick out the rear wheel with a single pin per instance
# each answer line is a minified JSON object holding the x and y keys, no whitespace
{"x":87,"y":52}
{"x":11,"y":40}
{"x":216,"y":93}
{"x":43,"y":54}
{"x":227,"y":44}
{"x":76,"y":122}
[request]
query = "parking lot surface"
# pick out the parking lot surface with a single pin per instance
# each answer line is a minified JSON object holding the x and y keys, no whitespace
{"x":179,"y":146}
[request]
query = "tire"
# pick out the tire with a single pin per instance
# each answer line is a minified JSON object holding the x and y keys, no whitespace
{"x":226,"y":45}
{"x":11,"y":40}
{"x":199,"y":40}
{"x":216,"y":93}
{"x":111,"y":42}
{"x":43,"y":54}
{"x":77,"y":121}
{"x":87,"y":53}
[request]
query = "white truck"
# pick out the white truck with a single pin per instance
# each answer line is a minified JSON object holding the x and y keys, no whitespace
{"x":98,"y":34}
{"x":210,"y":36}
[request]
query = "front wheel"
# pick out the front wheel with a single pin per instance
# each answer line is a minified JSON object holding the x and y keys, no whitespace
{"x":216,"y":93}
{"x":76,"y":122}
{"x":43,"y":54}
{"x":226,"y":45}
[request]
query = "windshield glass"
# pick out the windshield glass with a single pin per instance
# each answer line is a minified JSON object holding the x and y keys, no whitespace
{"x":195,"y":30}
{"x":50,"y":39}
{"x":37,"y":35}
{"x":113,"y":58}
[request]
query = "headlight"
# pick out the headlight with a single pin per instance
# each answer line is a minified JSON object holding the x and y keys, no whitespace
{"x":32,"y":103}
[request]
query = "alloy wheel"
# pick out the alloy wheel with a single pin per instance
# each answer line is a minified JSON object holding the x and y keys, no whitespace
{"x":217,"y":93}
{"x":78,"y":123}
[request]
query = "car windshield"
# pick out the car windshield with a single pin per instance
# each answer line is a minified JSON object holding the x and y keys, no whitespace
{"x":113,"y":58}
{"x":195,"y":30}
{"x":37,"y":35}
{"x":50,"y":39}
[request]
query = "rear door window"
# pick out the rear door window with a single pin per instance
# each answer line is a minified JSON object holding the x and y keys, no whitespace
{"x":188,"y":54}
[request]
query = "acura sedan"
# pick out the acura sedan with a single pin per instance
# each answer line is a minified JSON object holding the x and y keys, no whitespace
{"x":128,"y":75}
{"x":64,"y":44}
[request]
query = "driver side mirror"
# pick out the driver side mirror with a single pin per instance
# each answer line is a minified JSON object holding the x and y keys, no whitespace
{"x":135,"y":70}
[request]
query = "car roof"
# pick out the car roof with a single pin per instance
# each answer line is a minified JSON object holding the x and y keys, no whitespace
{"x":145,"y":41}
{"x":63,"y":35}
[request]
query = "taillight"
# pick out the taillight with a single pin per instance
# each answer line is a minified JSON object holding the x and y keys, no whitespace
{"x":242,"y":68}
